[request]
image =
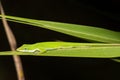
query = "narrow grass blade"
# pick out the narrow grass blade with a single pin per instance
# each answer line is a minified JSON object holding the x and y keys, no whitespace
{"x":80,"y":31}
{"x":93,"y":52}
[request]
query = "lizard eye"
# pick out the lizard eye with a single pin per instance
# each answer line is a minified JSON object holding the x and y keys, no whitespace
{"x":25,"y":48}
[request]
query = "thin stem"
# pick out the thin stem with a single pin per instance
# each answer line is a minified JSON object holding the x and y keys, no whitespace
{"x":13,"y":44}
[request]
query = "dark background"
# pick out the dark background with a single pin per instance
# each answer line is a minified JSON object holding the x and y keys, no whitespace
{"x":99,"y":13}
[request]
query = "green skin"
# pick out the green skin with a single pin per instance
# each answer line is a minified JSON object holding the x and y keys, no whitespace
{"x":42,"y":47}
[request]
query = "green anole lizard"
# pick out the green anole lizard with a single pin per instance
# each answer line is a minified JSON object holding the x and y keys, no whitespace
{"x":94,"y":49}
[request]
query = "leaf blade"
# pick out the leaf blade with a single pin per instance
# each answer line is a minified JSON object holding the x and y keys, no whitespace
{"x":93,"y":52}
{"x":80,"y":31}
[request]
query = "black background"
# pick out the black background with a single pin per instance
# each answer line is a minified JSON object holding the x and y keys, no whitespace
{"x":99,"y":13}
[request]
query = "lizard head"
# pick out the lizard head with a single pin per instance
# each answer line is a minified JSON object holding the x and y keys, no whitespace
{"x":27,"y":48}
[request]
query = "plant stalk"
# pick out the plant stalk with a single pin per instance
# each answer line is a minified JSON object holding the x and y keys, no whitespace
{"x":13,"y":44}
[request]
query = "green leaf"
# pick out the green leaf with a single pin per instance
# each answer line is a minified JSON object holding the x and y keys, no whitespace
{"x":93,"y":52}
{"x":80,"y":31}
